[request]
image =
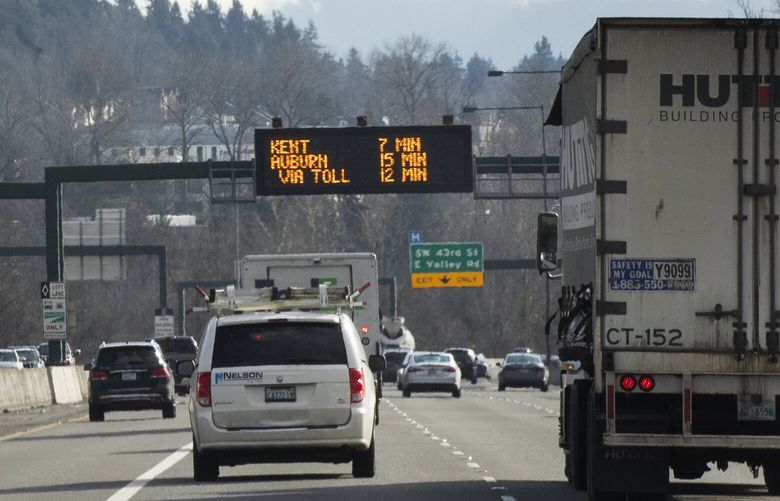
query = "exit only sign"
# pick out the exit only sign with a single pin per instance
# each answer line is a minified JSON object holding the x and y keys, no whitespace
{"x":452,"y":264}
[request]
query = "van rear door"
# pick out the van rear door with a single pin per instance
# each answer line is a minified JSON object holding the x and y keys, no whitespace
{"x":280,"y":374}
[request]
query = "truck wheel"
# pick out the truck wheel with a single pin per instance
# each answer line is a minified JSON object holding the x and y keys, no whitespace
{"x":364,"y":463}
{"x":169,"y":410}
{"x":407,"y":393}
{"x":474,"y":380}
{"x":456,"y":393}
{"x":576,"y":434}
{"x":772,"y":477}
{"x":205,"y":467}
{"x":96,"y":413}
{"x":544,"y":388}
{"x":501,"y":387}
{"x":593,"y":432}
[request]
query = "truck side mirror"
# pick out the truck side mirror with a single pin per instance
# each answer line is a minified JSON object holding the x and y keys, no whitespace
{"x":547,"y":242}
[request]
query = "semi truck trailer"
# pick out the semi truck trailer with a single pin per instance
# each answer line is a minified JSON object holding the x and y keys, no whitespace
{"x":664,"y":245}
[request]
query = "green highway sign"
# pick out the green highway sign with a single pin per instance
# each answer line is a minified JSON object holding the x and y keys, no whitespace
{"x":454,"y":264}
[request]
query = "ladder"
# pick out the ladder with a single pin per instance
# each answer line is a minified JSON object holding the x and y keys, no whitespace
{"x":268,"y":299}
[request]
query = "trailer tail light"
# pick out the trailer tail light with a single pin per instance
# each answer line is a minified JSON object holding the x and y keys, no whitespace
{"x":628,"y":382}
{"x":96,"y":375}
{"x":357,"y":385}
{"x":203,"y":389}
{"x":364,"y":329}
{"x":646,"y":383}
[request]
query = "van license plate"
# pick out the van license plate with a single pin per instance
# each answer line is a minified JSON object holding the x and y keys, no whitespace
{"x":750,"y":411}
{"x":280,"y":394}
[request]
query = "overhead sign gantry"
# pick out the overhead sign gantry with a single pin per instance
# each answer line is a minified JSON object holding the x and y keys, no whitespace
{"x":413,"y":159}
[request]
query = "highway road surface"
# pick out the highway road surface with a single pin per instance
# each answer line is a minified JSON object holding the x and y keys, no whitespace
{"x":484,"y":446}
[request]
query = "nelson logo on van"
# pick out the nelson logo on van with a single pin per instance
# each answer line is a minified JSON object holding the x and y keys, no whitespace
{"x":237,"y":376}
{"x":715,"y":91}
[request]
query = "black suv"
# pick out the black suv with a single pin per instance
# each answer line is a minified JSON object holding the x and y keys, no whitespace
{"x":178,"y":349}
{"x":130,"y":376}
{"x":467,"y":361}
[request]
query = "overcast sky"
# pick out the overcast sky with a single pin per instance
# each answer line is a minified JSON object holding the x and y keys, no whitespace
{"x":503,"y":30}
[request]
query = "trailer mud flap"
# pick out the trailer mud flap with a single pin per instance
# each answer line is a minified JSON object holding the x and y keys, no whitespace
{"x":623,"y":469}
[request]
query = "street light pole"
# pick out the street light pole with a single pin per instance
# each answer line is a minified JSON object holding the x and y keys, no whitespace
{"x":469,"y":109}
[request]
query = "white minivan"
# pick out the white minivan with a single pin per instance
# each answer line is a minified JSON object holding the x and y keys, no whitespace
{"x":281,"y":387}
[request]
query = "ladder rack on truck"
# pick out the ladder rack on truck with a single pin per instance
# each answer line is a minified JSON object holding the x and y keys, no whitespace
{"x":323,"y":298}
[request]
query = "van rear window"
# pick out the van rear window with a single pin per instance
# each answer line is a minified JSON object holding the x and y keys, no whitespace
{"x":293,"y":343}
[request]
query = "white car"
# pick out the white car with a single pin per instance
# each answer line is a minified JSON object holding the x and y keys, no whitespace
{"x":10,"y":360}
{"x":426,"y":371}
{"x":29,"y":356}
{"x":287,"y":386}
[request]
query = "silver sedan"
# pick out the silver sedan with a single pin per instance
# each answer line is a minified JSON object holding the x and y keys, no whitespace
{"x":429,"y":371}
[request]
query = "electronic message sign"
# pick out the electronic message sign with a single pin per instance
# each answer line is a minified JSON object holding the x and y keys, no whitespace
{"x":415,"y":159}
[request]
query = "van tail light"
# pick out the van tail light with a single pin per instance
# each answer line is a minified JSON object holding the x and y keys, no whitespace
{"x":646,"y":383}
{"x":628,"y":383}
{"x":357,"y":385}
{"x":203,"y":389}
{"x":158,"y":372}
{"x":97,"y":375}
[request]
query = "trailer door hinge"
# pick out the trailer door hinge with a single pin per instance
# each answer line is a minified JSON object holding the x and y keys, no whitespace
{"x":610,"y":308}
{"x":612,"y":66}
{"x":604,"y":186}
{"x":611,"y":126}
{"x":610,"y":247}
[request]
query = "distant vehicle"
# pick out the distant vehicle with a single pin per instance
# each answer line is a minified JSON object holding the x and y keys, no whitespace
{"x":176,"y":349}
{"x":130,"y":376}
{"x":400,"y":372}
{"x":354,"y":270}
{"x":395,"y":335}
{"x":394,"y":359}
{"x":10,"y":360}
{"x":483,"y":367}
{"x":29,"y":356}
{"x":522,"y":349}
{"x":523,"y":370}
{"x":467,"y":361}
{"x":428,"y":371}
{"x":70,"y":357}
{"x":283,"y":386}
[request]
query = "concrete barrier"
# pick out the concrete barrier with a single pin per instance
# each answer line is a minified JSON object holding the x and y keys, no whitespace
{"x":67,"y":384}
{"x":23,"y":389}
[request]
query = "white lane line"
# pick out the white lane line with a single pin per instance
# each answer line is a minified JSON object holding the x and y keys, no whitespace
{"x":472,"y":465}
{"x":508,"y":498}
{"x":136,"y":485}
{"x":489,"y":479}
{"x":457,"y":453}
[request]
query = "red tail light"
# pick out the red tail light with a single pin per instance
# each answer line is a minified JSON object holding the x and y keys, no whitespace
{"x":159,"y":372}
{"x":449,"y":369}
{"x":628,"y":383}
{"x":357,"y":385}
{"x":646,"y":383}
{"x":364,"y":329}
{"x":414,"y":369}
{"x":203,"y":389}
{"x":96,"y":375}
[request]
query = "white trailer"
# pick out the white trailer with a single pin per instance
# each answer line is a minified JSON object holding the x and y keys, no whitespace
{"x":353,"y":270}
{"x":667,"y":239}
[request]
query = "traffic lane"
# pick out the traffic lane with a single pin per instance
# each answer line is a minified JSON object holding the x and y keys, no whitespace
{"x":736,"y":482}
{"x":411,"y":465}
{"x":511,"y":443}
{"x":81,"y":460}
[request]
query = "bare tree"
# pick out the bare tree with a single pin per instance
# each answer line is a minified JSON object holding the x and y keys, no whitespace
{"x":299,"y":84}
{"x":185,"y":99}
{"x":231,"y":103}
{"x":14,"y":125}
{"x":407,"y":73}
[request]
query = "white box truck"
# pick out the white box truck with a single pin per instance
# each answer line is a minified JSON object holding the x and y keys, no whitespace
{"x":665,"y":244}
{"x":353,"y":270}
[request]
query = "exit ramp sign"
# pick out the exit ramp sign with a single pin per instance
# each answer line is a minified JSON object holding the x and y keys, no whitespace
{"x":454,"y":264}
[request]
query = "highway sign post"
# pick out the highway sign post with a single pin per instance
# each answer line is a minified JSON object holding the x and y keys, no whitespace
{"x":54,"y":310}
{"x":163,"y":322}
{"x":453,"y":264}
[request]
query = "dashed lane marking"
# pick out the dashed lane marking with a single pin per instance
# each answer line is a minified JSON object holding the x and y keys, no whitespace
{"x":489,"y":479}
{"x":136,"y":485}
{"x":508,"y":498}
{"x":472,"y":465}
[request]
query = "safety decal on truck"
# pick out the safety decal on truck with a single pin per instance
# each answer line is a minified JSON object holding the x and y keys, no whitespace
{"x":670,"y":275}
